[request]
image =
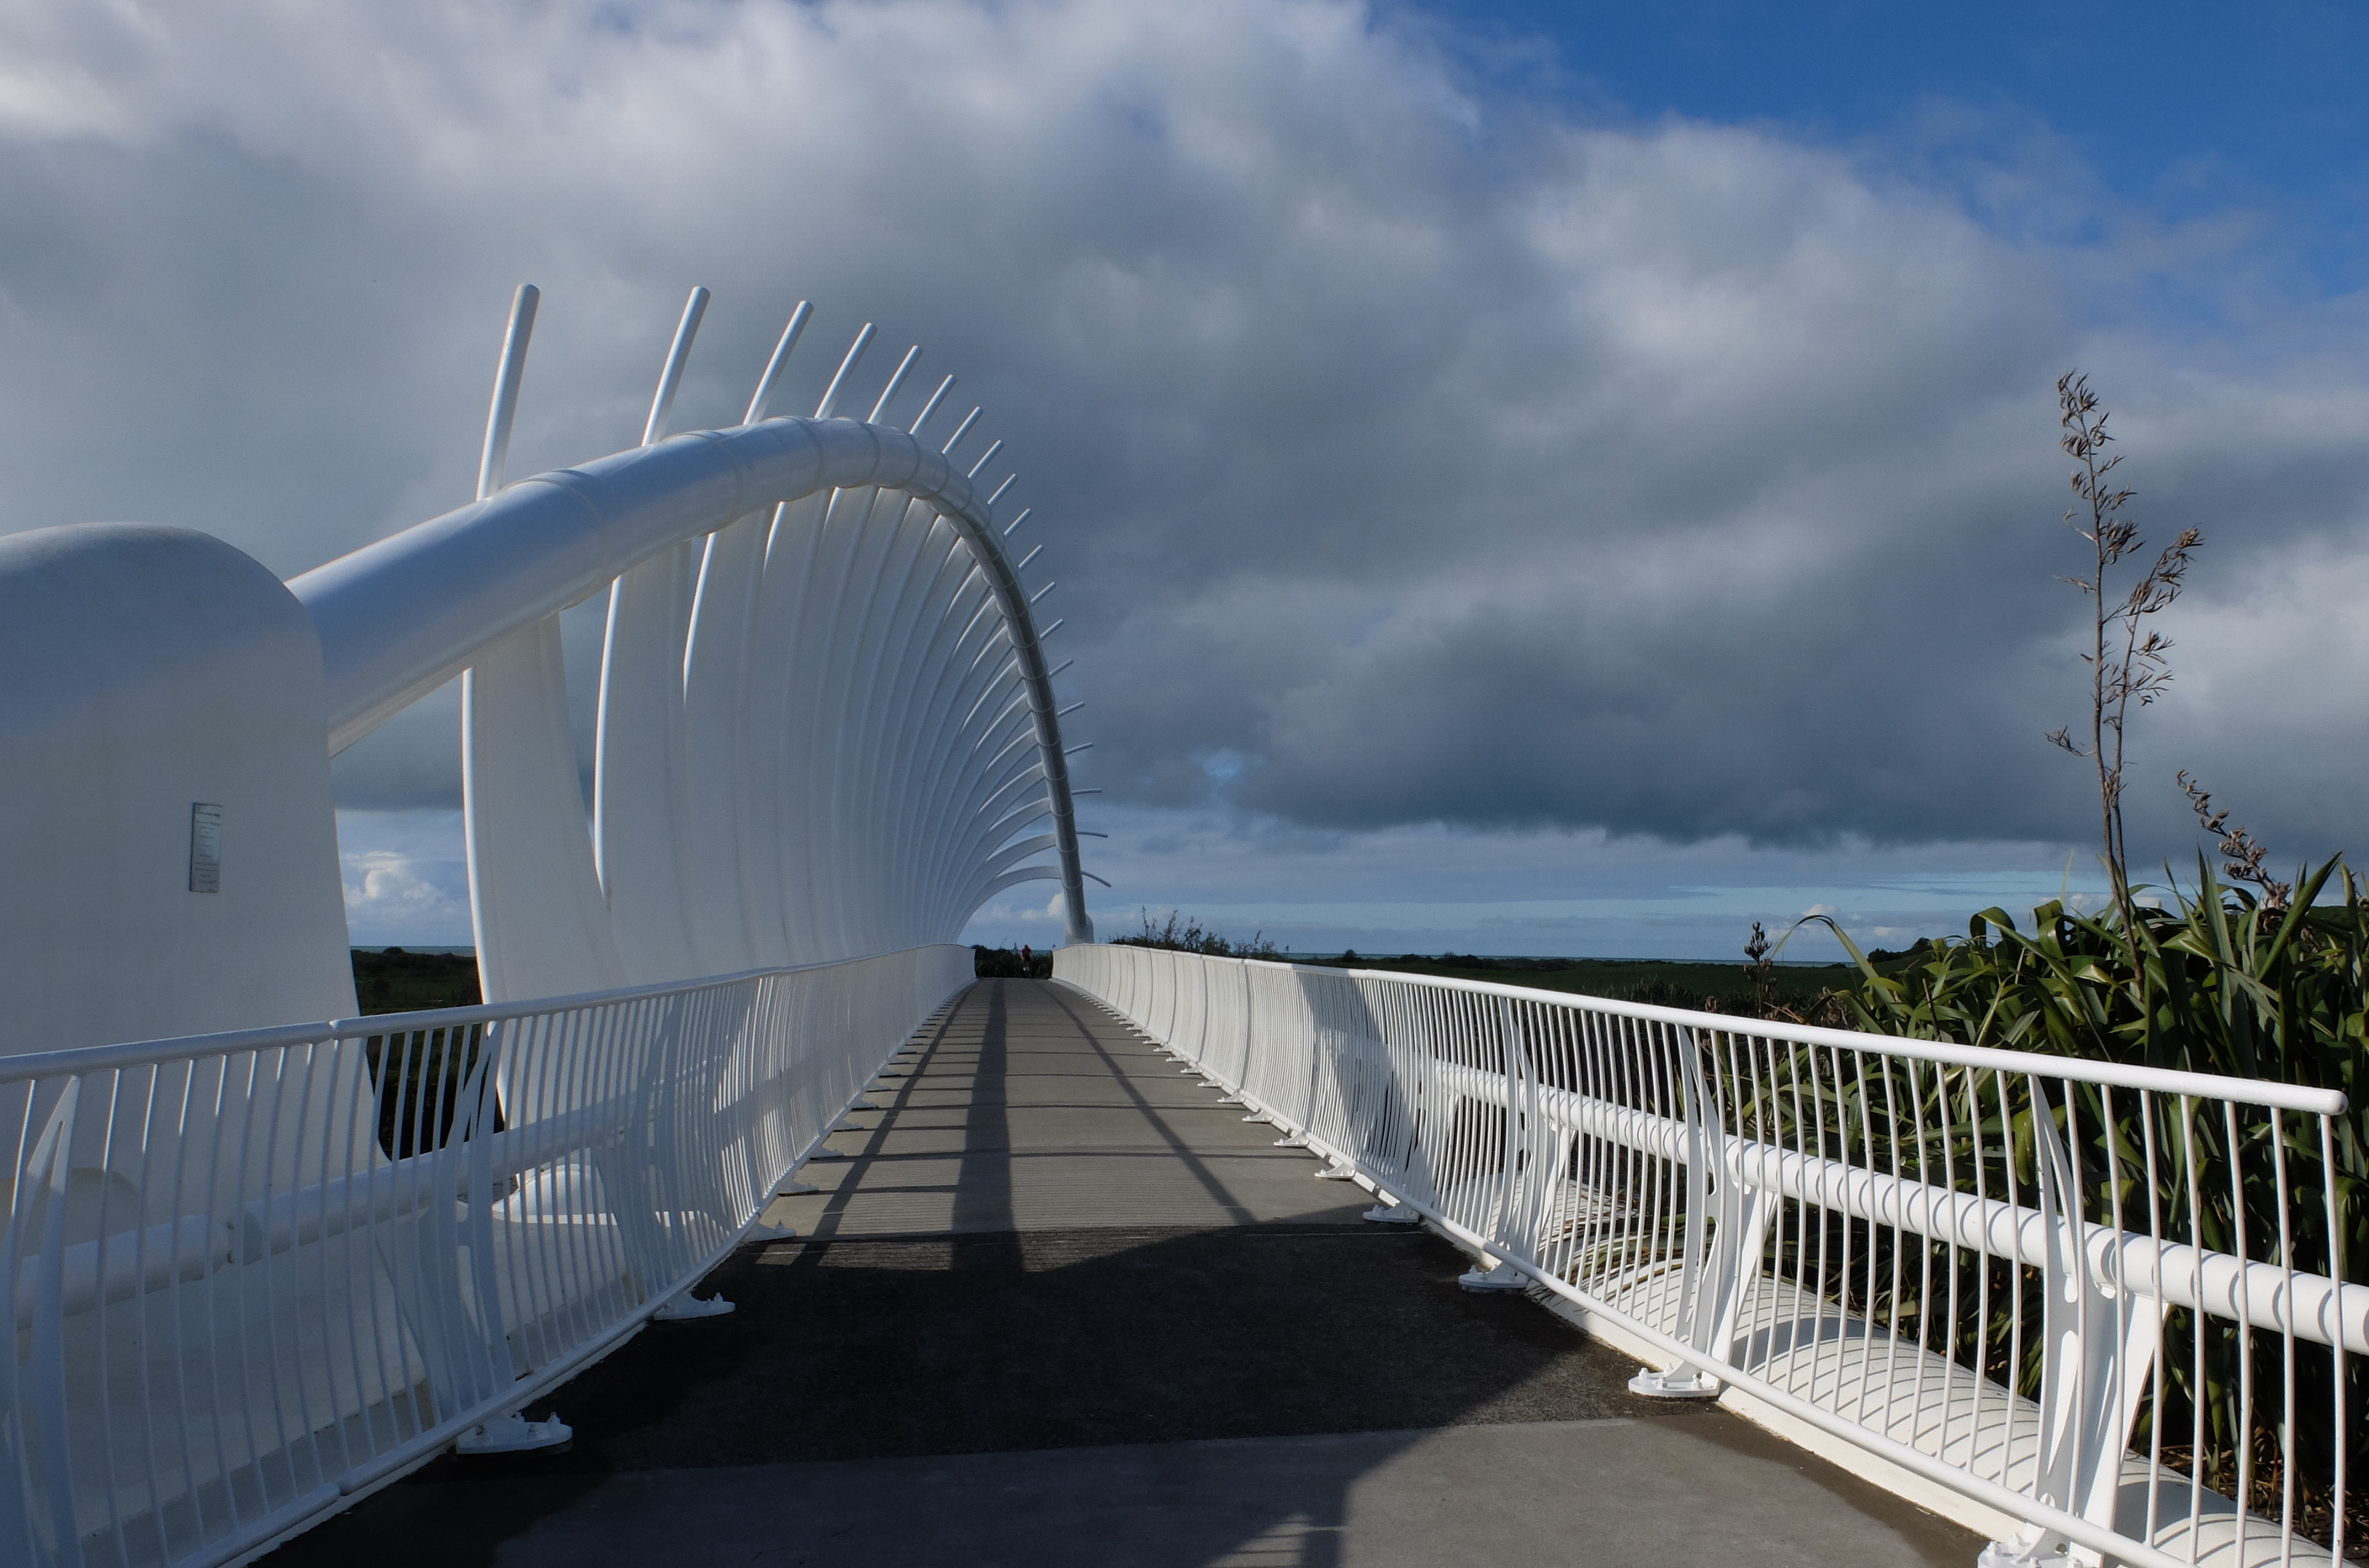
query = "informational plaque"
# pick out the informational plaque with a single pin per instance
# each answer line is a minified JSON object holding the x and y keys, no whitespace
{"x":205,"y":847}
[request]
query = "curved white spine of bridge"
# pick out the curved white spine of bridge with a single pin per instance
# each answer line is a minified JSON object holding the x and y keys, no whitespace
{"x":827,"y":734}
{"x":826,"y":722}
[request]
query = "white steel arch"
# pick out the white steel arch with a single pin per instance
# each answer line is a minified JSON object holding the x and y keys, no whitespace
{"x":827,"y":733}
{"x":827,"y":721}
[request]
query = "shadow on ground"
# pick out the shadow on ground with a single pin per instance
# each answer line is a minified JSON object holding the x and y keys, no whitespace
{"x":990,"y":1398}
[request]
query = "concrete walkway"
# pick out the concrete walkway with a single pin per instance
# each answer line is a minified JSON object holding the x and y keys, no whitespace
{"x":1056,"y":1305}
{"x":1033,"y":1109}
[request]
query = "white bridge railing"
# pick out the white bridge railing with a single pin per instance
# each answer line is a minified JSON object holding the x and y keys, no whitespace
{"x":253,"y":1275}
{"x":2082,"y":1306}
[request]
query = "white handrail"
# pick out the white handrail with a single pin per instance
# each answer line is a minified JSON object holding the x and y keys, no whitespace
{"x":386,"y":1231}
{"x":2121,"y":1075}
{"x":2262,"y":1295}
{"x":2004,"y":1272}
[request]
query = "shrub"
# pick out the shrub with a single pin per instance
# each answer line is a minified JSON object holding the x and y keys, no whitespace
{"x":1185,"y":934}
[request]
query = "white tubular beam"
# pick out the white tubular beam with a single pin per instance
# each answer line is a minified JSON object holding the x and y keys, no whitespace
{"x":670,"y":379}
{"x":641,"y":776}
{"x":534,"y":896}
{"x":2323,"y":1311}
{"x":497,"y":453}
{"x":762,"y":400}
{"x":400,"y":617}
{"x":816,"y":631}
{"x":640,"y":781}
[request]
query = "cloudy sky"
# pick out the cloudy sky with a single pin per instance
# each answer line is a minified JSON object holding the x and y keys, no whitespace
{"x":1565,"y":478}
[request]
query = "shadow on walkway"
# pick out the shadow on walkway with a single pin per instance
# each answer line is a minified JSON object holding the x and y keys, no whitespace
{"x":1291,"y":1392}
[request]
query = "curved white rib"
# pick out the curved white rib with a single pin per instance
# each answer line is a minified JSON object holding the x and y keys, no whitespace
{"x":800,"y":735}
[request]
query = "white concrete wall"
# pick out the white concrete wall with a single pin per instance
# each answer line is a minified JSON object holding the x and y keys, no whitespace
{"x":144,"y":671}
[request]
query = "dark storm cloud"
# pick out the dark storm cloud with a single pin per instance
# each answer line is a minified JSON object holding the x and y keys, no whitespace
{"x":1404,"y":457}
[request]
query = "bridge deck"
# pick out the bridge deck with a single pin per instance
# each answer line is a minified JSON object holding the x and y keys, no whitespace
{"x":1056,"y":1305}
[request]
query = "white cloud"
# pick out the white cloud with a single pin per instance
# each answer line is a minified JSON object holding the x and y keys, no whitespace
{"x":1406,"y":455}
{"x":406,"y":882}
{"x":1008,"y":922}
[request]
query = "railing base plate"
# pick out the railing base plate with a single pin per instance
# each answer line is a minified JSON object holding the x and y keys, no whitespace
{"x":1681,"y":1382}
{"x":1504,"y":1276}
{"x":690,"y":1306}
{"x":512,"y":1433}
{"x":2030,"y":1548}
{"x":1394,"y":1214}
{"x":1337,"y":1172}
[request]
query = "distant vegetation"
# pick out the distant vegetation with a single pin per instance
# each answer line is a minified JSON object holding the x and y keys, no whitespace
{"x":1707,"y":988}
{"x":1008,"y":964}
{"x":1763,"y":988}
{"x":1188,"y":935}
{"x":397,"y":981}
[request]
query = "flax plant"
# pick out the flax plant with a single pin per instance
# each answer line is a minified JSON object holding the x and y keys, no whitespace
{"x":2246,"y":976}
{"x":2225,"y":982}
{"x":2128,"y":661}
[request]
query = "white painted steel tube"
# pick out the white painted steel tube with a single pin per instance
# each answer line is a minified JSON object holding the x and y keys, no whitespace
{"x":1837,"y":1225}
{"x":2266,"y":1296}
{"x":504,"y":412}
{"x":358,"y":1278}
{"x":398,"y":618}
{"x":2078,"y":1069}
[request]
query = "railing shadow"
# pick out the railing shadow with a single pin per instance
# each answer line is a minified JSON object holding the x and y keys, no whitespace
{"x":1079,"y":1345}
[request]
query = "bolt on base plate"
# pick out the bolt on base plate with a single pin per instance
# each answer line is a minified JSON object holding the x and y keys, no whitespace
{"x":512,"y":1433}
{"x":690,"y":1306}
